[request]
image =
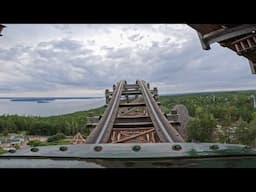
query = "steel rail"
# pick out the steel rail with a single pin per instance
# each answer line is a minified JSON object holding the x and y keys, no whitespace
{"x":166,"y":132}
{"x":103,"y":130}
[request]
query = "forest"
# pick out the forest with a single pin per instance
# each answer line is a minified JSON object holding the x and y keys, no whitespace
{"x":68,"y":124}
{"x":225,"y":117}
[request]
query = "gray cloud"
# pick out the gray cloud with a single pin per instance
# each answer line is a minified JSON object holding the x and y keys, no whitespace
{"x":119,"y":53}
{"x":136,"y":37}
{"x":175,"y":63}
{"x":64,"y":28}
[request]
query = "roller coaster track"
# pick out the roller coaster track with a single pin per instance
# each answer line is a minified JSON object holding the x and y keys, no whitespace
{"x":133,"y":115}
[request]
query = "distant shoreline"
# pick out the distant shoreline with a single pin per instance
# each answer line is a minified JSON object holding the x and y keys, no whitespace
{"x":101,"y":97}
{"x":44,"y":99}
{"x":48,"y":106}
{"x":48,"y":98}
{"x":206,"y":92}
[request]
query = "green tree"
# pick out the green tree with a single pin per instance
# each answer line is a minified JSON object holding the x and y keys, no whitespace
{"x":252,"y":133}
{"x":20,"y":123}
{"x":199,"y":111}
{"x":36,"y":143}
{"x":5,"y":132}
{"x":242,"y":133}
{"x":41,"y":128}
{"x":2,"y":150}
{"x":56,"y":137}
{"x":200,"y":129}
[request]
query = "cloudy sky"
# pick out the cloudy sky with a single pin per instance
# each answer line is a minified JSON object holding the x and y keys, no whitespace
{"x":85,"y":59}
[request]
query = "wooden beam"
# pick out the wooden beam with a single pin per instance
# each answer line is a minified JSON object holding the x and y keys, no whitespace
{"x":133,"y":124}
{"x":153,"y":137}
{"x":134,"y":136}
{"x":132,"y":129}
{"x":134,"y":104}
{"x":133,"y":117}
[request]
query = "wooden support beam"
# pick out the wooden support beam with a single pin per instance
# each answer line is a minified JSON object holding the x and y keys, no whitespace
{"x":113,"y":136}
{"x":118,"y":136}
{"x":147,"y":135}
{"x":254,"y":38}
{"x":153,"y":137}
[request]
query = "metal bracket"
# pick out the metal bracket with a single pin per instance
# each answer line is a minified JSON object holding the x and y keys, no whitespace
{"x":204,"y":43}
{"x":1,"y":29}
{"x":253,"y":66}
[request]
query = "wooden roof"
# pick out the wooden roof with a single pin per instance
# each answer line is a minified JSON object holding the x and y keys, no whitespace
{"x":240,"y":38}
{"x":1,"y":28}
{"x":206,"y":28}
{"x":78,"y":139}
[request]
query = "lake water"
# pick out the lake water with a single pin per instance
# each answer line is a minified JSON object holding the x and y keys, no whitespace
{"x":55,"y":107}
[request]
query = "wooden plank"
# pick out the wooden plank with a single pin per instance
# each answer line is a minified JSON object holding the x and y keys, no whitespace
{"x":131,"y":92}
{"x":131,"y":86}
{"x":133,"y":124}
{"x":237,"y":48}
{"x":249,"y":43}
{"x":133,"y":117}
{"x":132,"y":129}
{"x":134,"y":104}
{"x":133,"y":136}
{"x":146,"y":123}
{"x":128,"y":111}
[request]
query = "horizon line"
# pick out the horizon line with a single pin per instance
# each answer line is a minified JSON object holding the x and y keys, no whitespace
{"x":180,"y":93}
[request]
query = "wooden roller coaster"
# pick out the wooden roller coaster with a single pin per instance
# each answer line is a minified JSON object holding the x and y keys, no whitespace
{"x":133,"y":115}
